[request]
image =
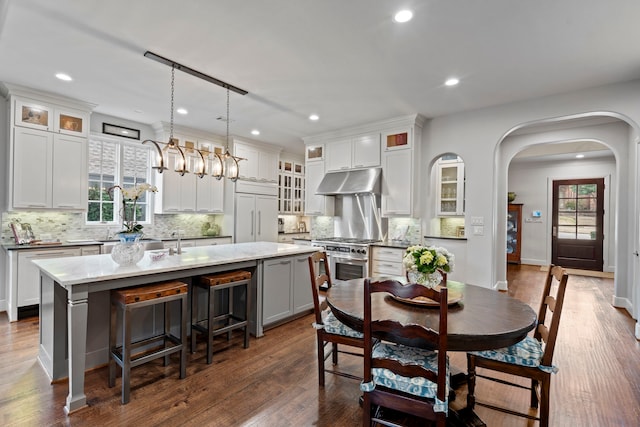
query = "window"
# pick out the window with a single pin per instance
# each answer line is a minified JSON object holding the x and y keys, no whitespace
{"x":115,"y":162}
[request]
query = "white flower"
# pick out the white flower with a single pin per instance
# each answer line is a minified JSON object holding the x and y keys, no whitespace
{"x":428,"y":259}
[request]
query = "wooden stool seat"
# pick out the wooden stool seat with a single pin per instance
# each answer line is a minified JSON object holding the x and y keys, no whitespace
{"x":163,"y":345}
{"x":228,"y":321}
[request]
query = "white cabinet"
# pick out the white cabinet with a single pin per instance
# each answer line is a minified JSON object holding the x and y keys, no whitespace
{"x":291,"y":187}
{"x":23,"y":286}
{"x":401,"y":167}
{"x":314,"y":153}
{"x":49,"y":117}
{"x":176,"y":193}
{"x":256,"y":218}
{"x":356,"y":152}
{"x":286,"y":288}
{"x":260,"y":165}
{"x":316,"y":204}
{"x":450,"y":188}
{"x":29,"y":273}
{"x":397,"y":183}
{"x":387,"y":261}
{"x":49,"y":170}
{"x":292,"y":237}
{"x":209,"y":191}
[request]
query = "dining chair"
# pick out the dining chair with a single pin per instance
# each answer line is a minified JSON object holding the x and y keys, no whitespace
{"x":406,"y":366}
{"x":328,"y":328}
{"x":531,"y":358}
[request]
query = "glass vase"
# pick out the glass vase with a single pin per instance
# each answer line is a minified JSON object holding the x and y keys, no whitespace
{"x":430,"y":280}
{"x":128,"y":250}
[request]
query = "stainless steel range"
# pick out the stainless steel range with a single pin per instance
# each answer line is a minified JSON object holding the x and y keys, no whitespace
{"x":348,"y":257}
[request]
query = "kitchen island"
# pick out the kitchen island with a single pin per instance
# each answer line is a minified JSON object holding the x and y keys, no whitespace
{"x":74,"y":300}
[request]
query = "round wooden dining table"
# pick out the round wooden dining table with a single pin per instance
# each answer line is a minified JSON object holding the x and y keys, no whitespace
{"x":480,"y":319}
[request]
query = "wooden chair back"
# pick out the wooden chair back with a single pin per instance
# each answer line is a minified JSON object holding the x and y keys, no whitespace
{"x":394,"y":331}
{"x":319,"y":279}
{"x":548,"y":332}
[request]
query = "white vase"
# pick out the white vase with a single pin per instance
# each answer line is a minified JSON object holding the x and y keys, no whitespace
{"x":128,"y":250}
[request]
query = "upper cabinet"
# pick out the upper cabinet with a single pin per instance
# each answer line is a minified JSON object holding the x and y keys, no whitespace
{"x":316,"y":204}
{"x":401,"y":170}
{"x":47,"y":159}
{"x":314,"y":153}
{"x":450,"y":187}
{"x":260,"y":164}
{"x":189,"y":193}
{"x":291,"y":183}
{"x":353,"y":153}
{"x":392,"y":144}
{"x":51,"y":118}
{"x":397,"y":139}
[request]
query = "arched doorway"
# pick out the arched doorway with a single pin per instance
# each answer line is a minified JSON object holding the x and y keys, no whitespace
{"x":559,"y":137}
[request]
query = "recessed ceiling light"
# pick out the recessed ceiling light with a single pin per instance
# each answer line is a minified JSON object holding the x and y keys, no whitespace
{"x":63,"y":76}
{"x":125,"y":132}
{"x":182,"y":111}
{"x":452,"y":81}
{"x":403,"y":16}
{"x":579,"y":156}
{"x":314,"y":117}
{"x":255,"y":132}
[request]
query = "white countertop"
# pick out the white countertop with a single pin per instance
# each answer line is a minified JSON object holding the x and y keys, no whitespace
{"x":95,"y":268}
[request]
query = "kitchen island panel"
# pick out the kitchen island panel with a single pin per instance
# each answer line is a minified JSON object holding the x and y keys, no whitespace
{"x":71,"y":287}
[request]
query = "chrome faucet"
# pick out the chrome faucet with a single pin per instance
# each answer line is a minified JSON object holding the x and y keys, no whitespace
{"x":178,"y":246}
{"x":109,"y":235}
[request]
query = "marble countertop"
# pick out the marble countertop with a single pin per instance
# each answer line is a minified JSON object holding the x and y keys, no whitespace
{"x":95,"y":268}
{"x":89,"y":242}
{"x":394,"y":244}
{"x":52,"y":245}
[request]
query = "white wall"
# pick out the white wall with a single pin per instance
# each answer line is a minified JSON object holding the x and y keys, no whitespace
{"x":531,"y":180}
{"x":476,"y":136}
{"x":4,"y":179}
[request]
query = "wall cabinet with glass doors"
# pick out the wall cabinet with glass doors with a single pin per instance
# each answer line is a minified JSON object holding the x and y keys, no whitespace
{"x":290,"y":187}
{"x":47,"y":159}
{"x":450,"y":188}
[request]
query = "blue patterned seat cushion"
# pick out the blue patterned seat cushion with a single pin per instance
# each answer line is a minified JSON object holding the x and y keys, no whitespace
{"x":527,"y":352}
{"x":334,"y":326}
{"x":418,"y":386}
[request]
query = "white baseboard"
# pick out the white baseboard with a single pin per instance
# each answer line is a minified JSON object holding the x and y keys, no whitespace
{"x":638,"y":330}
{"x":501,"y":285}
{"x":625,"y":303}
{"x":3,"y":305}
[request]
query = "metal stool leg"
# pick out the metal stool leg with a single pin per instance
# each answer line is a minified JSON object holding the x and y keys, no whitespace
{"x":167,"y":328}
{"x":194,"y":316}
{"x":112,"y":343}
{"x":247,"y":305}
{"x":126,"y":354}
{"x":210,"y":318}
{"x":183,"y":338}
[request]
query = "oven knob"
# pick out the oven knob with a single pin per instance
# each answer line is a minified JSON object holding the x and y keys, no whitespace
{"x":362,"y":251}
{"x":353,"y":250}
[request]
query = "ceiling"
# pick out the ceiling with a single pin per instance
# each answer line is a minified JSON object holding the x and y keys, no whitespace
{"x":346,"y":61}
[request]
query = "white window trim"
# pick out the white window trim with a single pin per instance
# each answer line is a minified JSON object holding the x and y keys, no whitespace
{"x":100,"y":137}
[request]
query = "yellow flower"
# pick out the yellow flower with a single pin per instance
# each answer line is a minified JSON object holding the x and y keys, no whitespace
{"x":426,"y":258}
{"x":441,"y":260}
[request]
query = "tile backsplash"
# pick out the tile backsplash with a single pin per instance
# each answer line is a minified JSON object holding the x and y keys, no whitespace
{"x":71,"y":225}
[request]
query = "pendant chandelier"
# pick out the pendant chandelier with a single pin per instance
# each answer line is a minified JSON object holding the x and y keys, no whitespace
{"x":222,"y":165}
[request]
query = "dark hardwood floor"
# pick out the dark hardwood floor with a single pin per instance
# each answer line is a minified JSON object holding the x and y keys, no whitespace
{"x":274,"y":382}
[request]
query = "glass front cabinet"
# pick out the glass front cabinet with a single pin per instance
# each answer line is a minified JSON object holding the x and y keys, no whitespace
{"x":514,"y":233}
{"x":450,"y":189}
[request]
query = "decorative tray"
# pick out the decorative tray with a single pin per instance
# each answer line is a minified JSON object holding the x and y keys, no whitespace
{"x":453,"y":297}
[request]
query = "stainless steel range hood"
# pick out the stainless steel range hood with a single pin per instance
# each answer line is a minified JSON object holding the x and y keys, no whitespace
{"x":361,"y":181}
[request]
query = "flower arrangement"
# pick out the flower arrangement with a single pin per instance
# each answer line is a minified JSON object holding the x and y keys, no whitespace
{"x":131,"y":195}
{"x":428,"y":259}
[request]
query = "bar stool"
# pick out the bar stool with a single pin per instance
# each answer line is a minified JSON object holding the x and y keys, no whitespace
{"x":163,"y":345}
{"x":228,"y":321}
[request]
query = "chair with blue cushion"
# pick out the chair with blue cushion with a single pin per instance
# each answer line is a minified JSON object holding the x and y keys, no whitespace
{"x":531,"y":358}
{"x":406,"y":366}
{"x":328,"y":328}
